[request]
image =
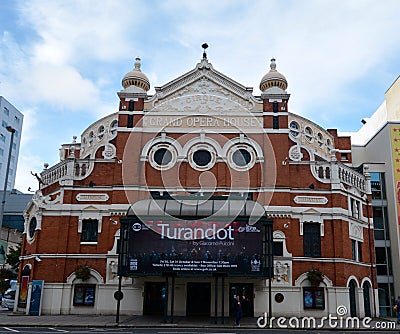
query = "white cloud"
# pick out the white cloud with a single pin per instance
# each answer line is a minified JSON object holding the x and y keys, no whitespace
{"x":61,"y":86}
{"x":70,"y":31}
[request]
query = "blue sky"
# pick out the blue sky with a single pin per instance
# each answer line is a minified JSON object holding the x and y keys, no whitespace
{"x":61,"y":62}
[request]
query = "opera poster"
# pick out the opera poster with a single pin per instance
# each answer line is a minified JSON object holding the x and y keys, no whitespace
{"x":36,"y":297}
{"x":23,"y":291}
{"x":195,"y":247}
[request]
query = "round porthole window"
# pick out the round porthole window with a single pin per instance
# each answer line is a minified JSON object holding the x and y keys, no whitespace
{"x":241,"y":157}
{"x":320,"y":139}
{"x":113,"y":127}
{"x":100,"y":132}
{"x":91,"y":136}
{"x":32,"y":227}
{"x":294,"y":129}
{"x":309,"y":134}
{"x":162,"y":156}
{"x":202,"y":157}
{"x":279,"y":297}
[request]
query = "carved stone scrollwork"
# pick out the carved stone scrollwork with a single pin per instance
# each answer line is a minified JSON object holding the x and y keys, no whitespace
{"x":281,"y":272}
{"x":295,"y":154}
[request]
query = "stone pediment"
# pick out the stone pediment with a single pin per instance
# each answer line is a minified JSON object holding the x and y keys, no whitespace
{"x":203,"y":90}
{"x":311,"y":212}
{"x":90,"y":208}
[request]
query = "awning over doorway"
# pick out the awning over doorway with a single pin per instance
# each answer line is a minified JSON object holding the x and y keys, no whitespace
{"x":197,"y":208}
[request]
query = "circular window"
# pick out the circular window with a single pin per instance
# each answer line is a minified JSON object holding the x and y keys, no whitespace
{"x":162,"y":156}
{"x":309,"y":134}
{"x":294,"y":129}
{"x":328,"y":142}
{"x":241,"y":157}
{"x":100,"y":132}
{"x":32,"y":227}
{"x":279,"y":297}
{"x":91,"y":136}
{"x":114,"y":126}
{"x":320,"y":139}
{"x":202,"y":157}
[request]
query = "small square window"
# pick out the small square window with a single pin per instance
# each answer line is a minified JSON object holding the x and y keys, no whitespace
{"x":4,"y":124}
{"x":344,"y":157}
{"x":89,"y":230}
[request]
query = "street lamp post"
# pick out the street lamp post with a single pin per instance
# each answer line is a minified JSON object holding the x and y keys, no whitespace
{"x":3,"y":202}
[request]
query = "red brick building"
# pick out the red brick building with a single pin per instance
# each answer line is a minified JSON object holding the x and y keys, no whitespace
{"x":204,"y":138}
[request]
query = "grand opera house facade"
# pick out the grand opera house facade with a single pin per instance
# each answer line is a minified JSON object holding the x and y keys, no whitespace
{"x":183,"y":199}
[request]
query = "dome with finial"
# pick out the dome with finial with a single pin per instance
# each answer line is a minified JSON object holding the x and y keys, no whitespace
{"x":273,"y":79}
{"x":136,"y":78}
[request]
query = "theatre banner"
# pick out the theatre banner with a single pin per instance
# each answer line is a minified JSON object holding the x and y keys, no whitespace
{"x":185,"y":247}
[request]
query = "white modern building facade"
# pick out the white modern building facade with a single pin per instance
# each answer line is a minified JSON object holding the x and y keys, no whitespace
{"x":377,"y":145}
{"x":9,"y":116}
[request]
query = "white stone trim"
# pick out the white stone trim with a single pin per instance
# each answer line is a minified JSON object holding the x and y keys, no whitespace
{"x":356,"y":231}
{"x":315,"y":200}
{"x":92,"y":197}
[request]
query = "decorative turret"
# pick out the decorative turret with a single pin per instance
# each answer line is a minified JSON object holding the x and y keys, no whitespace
{"x":273,"y":79}
{"x":136,"y":78}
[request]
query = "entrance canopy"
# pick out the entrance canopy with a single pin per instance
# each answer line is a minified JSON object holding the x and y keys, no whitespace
{"x":201,"y":208}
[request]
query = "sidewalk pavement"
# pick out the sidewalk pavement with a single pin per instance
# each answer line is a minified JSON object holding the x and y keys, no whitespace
{"x":10,"y":319}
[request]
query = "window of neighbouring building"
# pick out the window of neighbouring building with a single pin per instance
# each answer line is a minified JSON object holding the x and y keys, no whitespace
{"x":89,"y":230}
{"x":84,"y":294}
{"x":383,"y":261}
{"x":312,"y":239}
{"x":6,"y":111}
{"x":378,"y":185}
{"x":381,"y":228}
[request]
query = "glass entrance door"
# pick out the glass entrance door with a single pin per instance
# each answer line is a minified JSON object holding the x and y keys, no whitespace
{"x":198,"y":299}
{"x":153,"y":302}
